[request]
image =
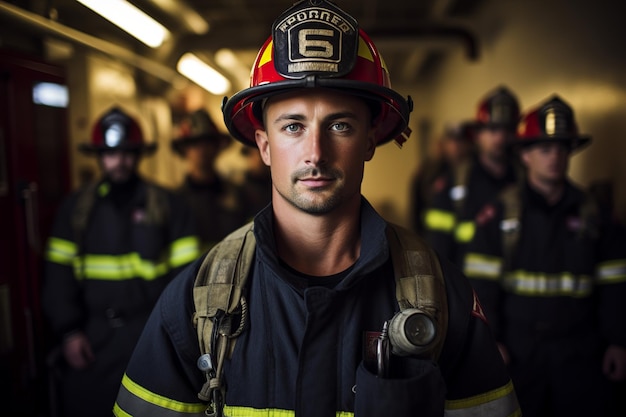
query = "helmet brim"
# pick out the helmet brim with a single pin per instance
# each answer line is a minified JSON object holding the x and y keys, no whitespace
{"x":577,"y":143}
{"x":146,"y":149}
{"x":242,"y":116}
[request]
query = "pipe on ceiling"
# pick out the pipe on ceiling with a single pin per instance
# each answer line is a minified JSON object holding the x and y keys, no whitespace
{"x":50,"y":27}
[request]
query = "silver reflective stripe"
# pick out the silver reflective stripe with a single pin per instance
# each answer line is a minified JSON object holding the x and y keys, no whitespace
{"x":501,"y":402}
{"x":481,"y":266}
{"x":612,"y":271}
{"x":133,"y":400}
{"x":541,"y":284}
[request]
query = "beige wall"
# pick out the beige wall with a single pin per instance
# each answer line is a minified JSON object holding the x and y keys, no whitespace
{"x":537,"y":48}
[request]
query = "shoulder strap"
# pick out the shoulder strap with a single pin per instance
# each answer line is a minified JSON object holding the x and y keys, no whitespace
{"x":419,"y":279}
{"x":81,"y":213}
{"x":157,"y":204}
{"x":589,"y":214}
{"x":218,"y":295}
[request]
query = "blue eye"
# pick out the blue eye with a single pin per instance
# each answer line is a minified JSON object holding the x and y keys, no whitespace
{"x":340,"y":126}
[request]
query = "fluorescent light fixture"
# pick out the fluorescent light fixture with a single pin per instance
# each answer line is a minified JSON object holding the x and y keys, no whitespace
{"x":51,"y":94}
{"x":202,"y":74}
{"x":131,"y":19}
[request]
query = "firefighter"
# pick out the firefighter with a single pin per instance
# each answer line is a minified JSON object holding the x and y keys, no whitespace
{"x":217,"y":205}
{"x":449,"y":222}
{"x":549,"y":266}
{"x":452,"y":149}
{"x":113,"y":248}
{"x":305,"y":291}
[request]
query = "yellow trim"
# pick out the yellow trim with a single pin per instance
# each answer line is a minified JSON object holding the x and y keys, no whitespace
{"x":611,"y":272}
{"x":267,"y":55}
{"x":364,"y":50}
{"x":540,"y":284}
{"x":480,"y":399}
{"x":464,"y":232}
{"x":440,"y":220}
{"x":477,"y":265}
{"x":118,"y":412}
{"x":61,"y":251}
{"x":233,"y":411}
{"x":184,"y":250}
{"x":160,"y":400}
{"x":118,"y":267}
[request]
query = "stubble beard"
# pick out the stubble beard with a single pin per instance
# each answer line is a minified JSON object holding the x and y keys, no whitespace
{"x":315,"y":201}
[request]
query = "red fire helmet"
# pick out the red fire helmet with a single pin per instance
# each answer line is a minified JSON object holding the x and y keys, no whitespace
{"x":551,"y":121}
{"x":499,"y":109}
{"x":117,"y":130}
{"x":314,"y":44}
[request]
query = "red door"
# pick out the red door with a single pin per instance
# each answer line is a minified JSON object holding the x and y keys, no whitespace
{"x":34,"y":177}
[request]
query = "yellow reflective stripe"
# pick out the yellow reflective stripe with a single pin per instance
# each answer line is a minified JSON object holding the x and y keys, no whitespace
{"x":232,"y":411}
{"x":440,"y":220}
{"x":464,"y":231}
{"x":119,"y":267}
{"x":118,"y":412}
{"x":159,"y":400}
{"x":61,"y":251}
{"x":498,"y":402}
{"x":184,"y":250}
{"x":481,"y":266}
{"x":548,"y":285}
{"x":613,"y":271}
{"x":267,"y":55}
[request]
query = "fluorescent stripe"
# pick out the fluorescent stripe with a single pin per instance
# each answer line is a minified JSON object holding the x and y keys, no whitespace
{"x":152,"y":404}
{"x":184,"y":250}
{"x":119,"y":267}
{"x":61,"y":251}
{"x":548,"y":285}
{"x":464,"y":231}
{"x":440,"y":220}
{"x":612,"y":271}
{"x":499,"y":402}
{"x":482,"y":266}
{"x":232,"y":411}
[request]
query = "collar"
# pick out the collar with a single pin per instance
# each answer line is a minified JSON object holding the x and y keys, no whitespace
{"x":374,"y":247}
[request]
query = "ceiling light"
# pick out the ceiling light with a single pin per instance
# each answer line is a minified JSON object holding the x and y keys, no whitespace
{"x":131,"y":19}
{"x":202,"y":74}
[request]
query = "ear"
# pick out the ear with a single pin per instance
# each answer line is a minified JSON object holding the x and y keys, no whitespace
{"x":371,"y":144}
{"x":524,"y":156}
{"x":260,"y":137}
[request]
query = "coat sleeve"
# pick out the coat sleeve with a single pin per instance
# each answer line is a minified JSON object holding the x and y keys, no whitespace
{"x":477,"y":380}
{"x":611,"y":281}
{"x":161,"y":378}
{"x":484,"y":262}
{"x":61,"y":292}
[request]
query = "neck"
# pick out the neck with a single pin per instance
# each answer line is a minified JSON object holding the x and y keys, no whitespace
{"x":496,"y":167}
{"x":552,"y":191}
{"x":202,"y":176}
{"x":318,"y":245}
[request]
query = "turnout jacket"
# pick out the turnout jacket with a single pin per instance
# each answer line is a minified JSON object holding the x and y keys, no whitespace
{"x":449,"y":221}
{"x":304,"y":351}
{"x":566,"y":275}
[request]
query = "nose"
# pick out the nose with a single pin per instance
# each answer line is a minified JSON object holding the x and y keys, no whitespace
{"x":315,"y":144}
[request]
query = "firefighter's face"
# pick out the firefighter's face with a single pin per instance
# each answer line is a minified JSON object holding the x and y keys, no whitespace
{"x":547,"y":162}
{"x":492,"y":142}
{"x":118,"y":165}
{"x":316,"y":143}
